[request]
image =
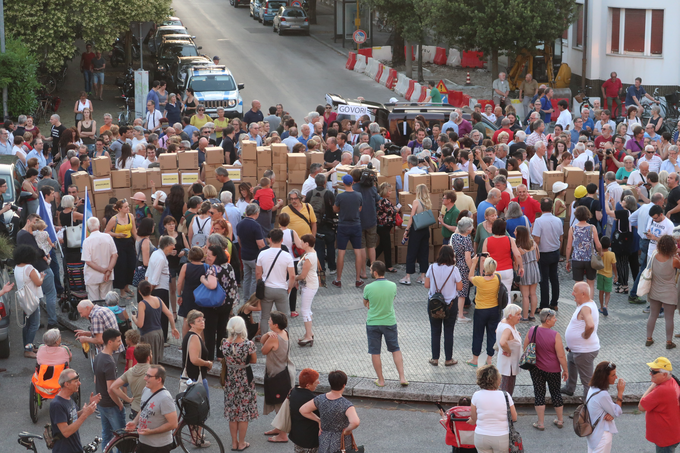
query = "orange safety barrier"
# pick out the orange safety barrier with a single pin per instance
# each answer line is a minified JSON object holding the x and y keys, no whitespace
{"x":367,"y":51}
{"x":440,"y":56}
{"x":472,"y":59}
{"x":381,"y":68}
{"x":456,"y":98}
{"x":351,"y":61}
{"x":411,"y":87}
{"x":465,"y":101}
{"x":423,"y":93}
{"x":483,"y":102}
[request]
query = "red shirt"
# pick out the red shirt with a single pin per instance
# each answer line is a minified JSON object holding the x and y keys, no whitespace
{"x":505,"y":201}
{"x":265,"y":197}
{"x":500,"y":250}
{"x":611,"y":166}
{"x":662,"y":414}
{"x":530,"y":208}
{"x":86,"y":60}
{"x":497,"y":133}
{"x":130,"y":355}
{"x":611,"y":89}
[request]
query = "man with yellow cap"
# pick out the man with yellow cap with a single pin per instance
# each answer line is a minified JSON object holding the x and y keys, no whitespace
{"x":662,"y":407}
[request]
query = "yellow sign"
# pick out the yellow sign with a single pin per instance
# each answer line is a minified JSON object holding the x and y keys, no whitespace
{"x":441,"y":87}
{"x":234,"y":174}
{"x":189,"y":178}
{"x":466,"y":181}
{"x":168,"y":179}
{"x":102,"y":184}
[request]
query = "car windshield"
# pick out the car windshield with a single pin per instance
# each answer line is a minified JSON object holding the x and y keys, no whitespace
{"x":173,"y":22}
{"x":294,"y":13}
{"x":184,"y":50}
{"x":212,"y":83}
{"x":8,"y":196}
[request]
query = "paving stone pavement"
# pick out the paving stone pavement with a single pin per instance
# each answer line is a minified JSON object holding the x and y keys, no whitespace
{"x":339,"y":318}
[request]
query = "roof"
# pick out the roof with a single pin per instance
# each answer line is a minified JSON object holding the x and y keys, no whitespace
{"x":210,"y":69}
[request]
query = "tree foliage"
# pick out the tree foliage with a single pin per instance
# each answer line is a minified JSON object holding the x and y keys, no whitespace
{"x":50,"y":28}
{"x":18,"y":73}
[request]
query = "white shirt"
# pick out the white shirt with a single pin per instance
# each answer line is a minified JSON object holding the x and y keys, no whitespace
{"x":138,"y":162}
{"x":147,"y":162}
{"x":576,"y":327}
{"x":616,"y":191}
{"x":465,"y":166}
{"x":670,"y":167}
{"x":158,"y":272}
{"x":127,"y":165}
{"x":635,"y":178}
{"x":654,"y":163}
{"x":564,"y":119}
{"x":441,"y":274}
{"x":153,"y":119}
{"x":308,"y":185}
{"x":136,"y":141}
{"x":98,"y":248}
{"x":492,"y":414}
{"x":639,"y":217}
{"x":581,"y":160}
{"x":277,"y":278}
{"x":665,"y":227}
{"x":537,"y":166}
{"x":598,"y":126}
{"x":524,"y":168}
{"x":601,"y":403}
{"x":412,"y":171}
{"x":290,"y":141}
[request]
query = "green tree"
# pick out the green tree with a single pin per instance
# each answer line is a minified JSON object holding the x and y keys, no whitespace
{"x":50,"y":28}
{"x":18,"y":73}
{"x":498,"y":27}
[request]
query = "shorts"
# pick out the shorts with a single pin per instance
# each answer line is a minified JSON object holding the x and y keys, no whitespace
{"x":375,"y":334}
{"x":174,"y":272}
{"x":369,"y":238}
{"x":604,"y":283}
{"x":350,"y":234}
{"x":582,"y":268}
{"x":98,"y":78}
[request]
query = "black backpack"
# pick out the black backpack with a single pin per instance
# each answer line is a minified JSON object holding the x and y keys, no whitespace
{"x":193,"y":404}
{"x":436,"y":304}
{"x":502,"y":296}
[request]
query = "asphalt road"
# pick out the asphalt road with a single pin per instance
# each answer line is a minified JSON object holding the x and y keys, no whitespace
{"x":294,"y":70}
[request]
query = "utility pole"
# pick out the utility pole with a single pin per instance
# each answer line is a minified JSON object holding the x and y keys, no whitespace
{"x":584,"y":61}
{"x":5,"y":111}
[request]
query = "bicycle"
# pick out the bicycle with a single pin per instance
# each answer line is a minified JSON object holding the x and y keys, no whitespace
{"x":27,"y":440}
{"x":647,"y":107}
{"x":186,"y":437}
{"x":126,"y":117}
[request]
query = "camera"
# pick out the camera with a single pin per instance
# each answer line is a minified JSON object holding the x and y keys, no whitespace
{"x":368,"y":177}
{"x":14,"y":207}
{"x":609,"y":152}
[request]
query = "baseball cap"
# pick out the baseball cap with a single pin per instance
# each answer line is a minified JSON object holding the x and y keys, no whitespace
{"x":216,"y":57}
{"x":579,"y":192}
{"x":394,"y":100}
{"x":160,"y":195}
{"x":661,"y":363}
{"x":347,"y":180}
{"x":559,"y":186}
{"x":139,"y":196}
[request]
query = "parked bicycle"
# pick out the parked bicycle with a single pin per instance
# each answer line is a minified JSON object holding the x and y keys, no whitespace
{"x":127,"y":116}
{"x":658,"y":100}
{"x":47,"y":105}
{"x":27,"y":440}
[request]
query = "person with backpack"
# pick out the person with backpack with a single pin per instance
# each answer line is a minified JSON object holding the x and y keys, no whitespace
{"x":601,"y":409}
{"x":200,"y":227}
{"x":322,"y":201}
{"x":660,"y":405}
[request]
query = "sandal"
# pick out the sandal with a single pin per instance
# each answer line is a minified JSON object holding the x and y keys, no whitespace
{"x":473,"y":365}
{"x":434,"y":362}
{"x":670,"y":345}
{"x":558,"y":423}
{"x":392,"y":271}
{"x":538,"y":427}
{"x":450,"y":362}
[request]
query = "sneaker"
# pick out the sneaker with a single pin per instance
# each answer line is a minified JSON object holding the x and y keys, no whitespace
{"x":359,"y":283}
{"x":294,"y":314}
{"x":333,"y":271}
{"x":463,"y":319}
{"x":29,"y":354}
{"x":564,"y":391}
{"x":635,"y":300}
{"x":661,"y":313}
{"x":337,"y":284}
{"x":97,"y":414}
{"x":646,"y":309}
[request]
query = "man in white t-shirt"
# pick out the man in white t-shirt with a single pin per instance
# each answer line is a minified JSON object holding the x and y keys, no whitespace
{"x":658,"y":225}
{"x":273,"y":271}
{"x":413,"y":169}
{"x":564,"y":119}
{"x":638,"y":178}
{"x":140,"y":156}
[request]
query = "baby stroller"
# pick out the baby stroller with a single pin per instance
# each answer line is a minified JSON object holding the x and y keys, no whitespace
{"x":459,"y":434}
{"x":74,"y":287}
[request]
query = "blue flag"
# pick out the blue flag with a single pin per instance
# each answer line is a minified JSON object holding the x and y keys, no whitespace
{"x":87,"y":213}
{"x":45,"y":212}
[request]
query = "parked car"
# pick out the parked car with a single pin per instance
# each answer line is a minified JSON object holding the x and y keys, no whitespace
{"x":255,"y":6}
{"x":155,"y":42}
{"x":290,"y":19}
{"x":237,"y":3}
{"x":177,"y":74}
{"x":172,"y":20}
{"x":214,"y":86}
{"x":268,"y":9}
{"x":168,"y":51}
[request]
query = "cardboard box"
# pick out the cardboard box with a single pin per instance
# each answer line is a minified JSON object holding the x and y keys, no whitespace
{"x":234,"y":173}
{"x":415,"y":179}
{"x":153,"y":175}
{"x":281,"y":172}
{"x":436,"y":199}
{"x":138,"y":179}
{"x":209,"y":170}
{"x":437,"y":248}
{"x":569,"y":198}
{"x":188,"y":177}
{"x":406,"y":198}
{"x":101,"y":166}
{"x":187,"y":160}
{"x":168,"y":161}
{"x":169,"y":178}
{"x":122,"y":193}
{"x":264,"y":156}
{"x":398,"y":235}
{"x":439,"y":182}
{"x":279,"y":153}
{"x":550,"y":178}
{"x":340,"y":171}
{"x":514,"y":179}
{"x":591,"y":177}
{"x":120,"y":179}
{"x":573,"y":176}
{"x":290,"y":187}
{"x":392,"y":180}
{"x":437,"y":236}
{"x":101,"y":183}
{"x":430,"y":254}
{"x":297,"y":161}
{"x":249,"y":150}
{"x":213,"y":182}
{"x":251,"y":180}
{"x":100,"y":213}
{"x":260,"y":172}
{"x":101,"y":199}
{"x":314,"y":157}
{"x":538,"y":194}
{"x":390,"y":165}
{"x":82,"y":180}
{"x":400,"y":253}
{"x":296,"y":176}
{"x":473,"y":184}
{"x":463,"y":176}
{"x":250,"y":168}
{"x":214,"y":155}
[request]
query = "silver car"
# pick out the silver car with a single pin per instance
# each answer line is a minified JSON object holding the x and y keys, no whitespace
{"x":290,"y":19}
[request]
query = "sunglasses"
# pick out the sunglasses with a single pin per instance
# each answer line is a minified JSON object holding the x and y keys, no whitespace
{"x":654,"y":372}
{"x":77,"y":377}
{"x":201,"y":110}
{"x":611,"y":365}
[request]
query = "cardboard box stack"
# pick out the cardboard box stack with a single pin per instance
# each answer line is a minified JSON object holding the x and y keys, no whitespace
{"x":249,"y":161}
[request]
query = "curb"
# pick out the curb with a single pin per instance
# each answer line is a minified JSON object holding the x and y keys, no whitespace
{"x":424,"y":392}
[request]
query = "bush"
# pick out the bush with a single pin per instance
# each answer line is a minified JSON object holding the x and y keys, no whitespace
{"x":18,"y":72}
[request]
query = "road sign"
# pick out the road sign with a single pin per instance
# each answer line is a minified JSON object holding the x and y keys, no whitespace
{"x":441,"y":87}
{"x":297,"y":3}
{"x":359,"y":36}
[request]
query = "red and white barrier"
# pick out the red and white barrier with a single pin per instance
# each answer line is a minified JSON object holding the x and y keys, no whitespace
{"x":366,"y":51}
{"x":391,"y":80}
{"x":378,"y":75}
{"x":415,"y":94}
{"x":423,"y":93}
{"x":411,"y":89}
{"x":428,"y":54}
{"x":440,"y":56}
{"x":351,"y":61}
{"x":372,"y":68}
{"x":383,"y":53}
{"x":384,"y":74}
{"x":360,"y":65}
{"x":402,"y":85}
{"x":454,"y":58}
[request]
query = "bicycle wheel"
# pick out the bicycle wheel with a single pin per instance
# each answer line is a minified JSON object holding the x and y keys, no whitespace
{"x":191,"y":438}
{"x":33,"y":404}
{"x":49,"y":82}
{"x":125,"y":444}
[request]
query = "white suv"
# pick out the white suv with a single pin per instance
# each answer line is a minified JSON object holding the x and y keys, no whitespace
{"x":214,"y":86}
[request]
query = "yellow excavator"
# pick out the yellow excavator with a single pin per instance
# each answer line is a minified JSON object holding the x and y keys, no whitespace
{"x":541,"y":63}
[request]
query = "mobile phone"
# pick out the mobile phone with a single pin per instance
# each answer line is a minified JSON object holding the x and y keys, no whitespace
{"x":440,"y":407}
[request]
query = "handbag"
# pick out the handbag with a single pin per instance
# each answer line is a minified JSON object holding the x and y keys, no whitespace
{"x":353,"y":448}
{"x":182,"y":227}
{"x":259,"y":288}
{"x":436,"y":304}
{"x":645,"y":284}
{"x":282,"y":421}
{"x":25,"y":299}
{"x":276,"y":387}
{"x":73,"y":234}
{"x":140,"y":271}
{"x":527,"y":361}
{"x":423,"y":220}
{"x":209,"y":298}
{"x":516,"y":445}
{"x":596,"y":261}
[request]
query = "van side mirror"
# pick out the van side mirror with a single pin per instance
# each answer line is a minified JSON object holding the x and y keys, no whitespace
{"x":241,"y":86}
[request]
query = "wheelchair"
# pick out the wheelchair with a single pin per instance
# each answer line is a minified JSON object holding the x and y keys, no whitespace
{"x":45,"y":386}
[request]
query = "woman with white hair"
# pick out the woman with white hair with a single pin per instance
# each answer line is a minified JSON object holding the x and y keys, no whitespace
{"x":510,"y":343}
{"x":52,"y":352}
{"x":656,"y":120}
{"x":624,"y":172}
{"x":463,"y":249}
{"x":486,"y":316}
{"x":240,"y":398}
{"x":69,"y":217}
{"x":514,"y":218}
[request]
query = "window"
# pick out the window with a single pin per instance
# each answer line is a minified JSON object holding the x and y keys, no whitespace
{"x":579,"y":26}
{"x":636,"y":31}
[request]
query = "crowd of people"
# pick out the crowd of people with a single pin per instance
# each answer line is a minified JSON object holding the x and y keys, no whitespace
{"x":263,"y":251}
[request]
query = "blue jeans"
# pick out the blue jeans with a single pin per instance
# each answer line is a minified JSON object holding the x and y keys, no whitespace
{"x":436,"y":332}
{"x":484,"y":319}
{"x":669,"y":449}
{"x":98,"y":78}
{"x":87,"y":75}
{"x":50,"y":293}
{"x":31,"y":327}
{"x":54,"y":265}
{"x":249,"y":278}
{"x":112,"y":419}
{"x":644,"y":248}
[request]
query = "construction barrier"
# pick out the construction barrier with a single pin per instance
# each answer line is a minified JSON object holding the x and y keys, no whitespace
{"x":428,"y":54}
{"x":391,"y":80}
{"x":360,"y":65}
{"x":456,"y":98}
{"x":453,"y":58}
{"x":351,"y":61}
{"x":379,"y":72}
{"x":440,"y":56}
{"x":372,"y":67}
{"x":415,"y":94}
{"x":556,"y":112}
{"x":483,"y":102}
{"x":383,"y":53}
{"x":366,"y":51}
{"x":411,"y":88}
{"x":382,"y":74}
{"x":423,"y":93}
{"x":402,"y":85}
{"x":472,"y":59}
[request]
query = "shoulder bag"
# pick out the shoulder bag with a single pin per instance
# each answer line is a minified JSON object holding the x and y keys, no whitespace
{"x":645,"y":284}
{"x":436,"y":304}
{"x":423,"y":220}
{"x":502,"y":296}
{"x":282,"y":421}
{"x":140,"y":270}
{"x":516,"y":445}
{"x":297,"y":213}
{"x":209,"y":298}
{"x":25,"y":299}
{"x":276,"y":387}
{"x":73,"y":234}
{"x":259,"y":288}
{"x":528,"y":359}
{"x":596,"y":261}
{"x":352,"y":448}
{"x":321,"y":273}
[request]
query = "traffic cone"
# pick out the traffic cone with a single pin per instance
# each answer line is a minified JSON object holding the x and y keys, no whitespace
{"x":467,"y":79}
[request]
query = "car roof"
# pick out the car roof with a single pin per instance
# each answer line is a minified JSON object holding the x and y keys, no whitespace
{"x":194,"y":59}
{"x":171,"y":27}
{"x":175,"y":37}
{"x":210,"y":69}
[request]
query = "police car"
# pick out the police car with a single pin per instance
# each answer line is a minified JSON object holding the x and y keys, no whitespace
{"x":214,"y":86}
